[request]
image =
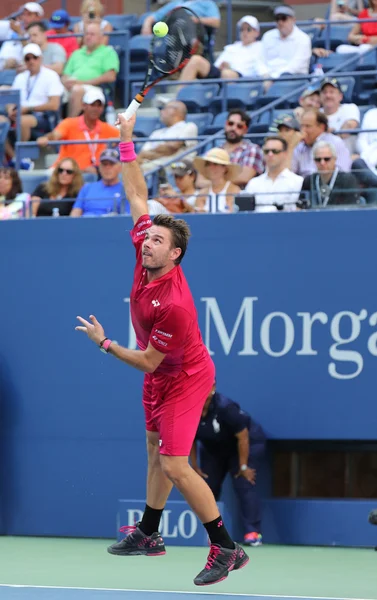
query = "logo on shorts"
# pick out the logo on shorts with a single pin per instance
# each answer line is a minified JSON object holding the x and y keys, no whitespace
{"x":160,"y":443}
{"x":155,"y":303}
{"x":216,"y":425}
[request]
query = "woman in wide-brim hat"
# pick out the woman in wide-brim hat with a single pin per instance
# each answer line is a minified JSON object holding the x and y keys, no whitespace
{"x":215,"y":166}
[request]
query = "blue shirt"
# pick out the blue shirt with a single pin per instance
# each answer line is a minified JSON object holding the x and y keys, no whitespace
{"x":203,"y":8}
{"x":225,"y":418}
{"x":96,"y":199}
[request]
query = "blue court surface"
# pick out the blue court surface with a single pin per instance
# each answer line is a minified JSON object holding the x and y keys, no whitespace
{"x":18,"y":592}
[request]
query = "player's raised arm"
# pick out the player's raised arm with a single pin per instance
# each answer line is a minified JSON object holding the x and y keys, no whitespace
{"x":133,"y":178}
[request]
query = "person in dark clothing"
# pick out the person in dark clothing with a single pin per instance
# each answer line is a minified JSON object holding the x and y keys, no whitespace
{"x":329,"y":186}
{"x":231,"y":442}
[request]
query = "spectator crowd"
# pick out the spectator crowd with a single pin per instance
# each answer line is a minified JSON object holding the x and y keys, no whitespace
{"x":308,"y":157}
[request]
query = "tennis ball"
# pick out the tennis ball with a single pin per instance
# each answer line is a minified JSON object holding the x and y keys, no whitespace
{"x":160,"y":29}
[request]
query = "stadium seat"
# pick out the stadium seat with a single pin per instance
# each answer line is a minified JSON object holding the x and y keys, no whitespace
{"x":146,"y":125}
{"x":121,"y":22}
{"x":202,"y":121}
{"x":218,"y":123}
{"x":280,"y":89}
{"x":238,"y":95}
{"x":365,"y":83}
{"x":347,"y":85}
{"x":4,"y":128}
{"x":334,"y":61}
{"x":139,"y":49}
{"x":364,"y":109}
{"x":198,"y":97}
{"x":7,"y":76}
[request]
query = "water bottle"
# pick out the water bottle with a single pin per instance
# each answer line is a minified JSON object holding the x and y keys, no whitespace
{"x":110,"y":114}
{"x":55,"y":212}
{"x":318,"y":73}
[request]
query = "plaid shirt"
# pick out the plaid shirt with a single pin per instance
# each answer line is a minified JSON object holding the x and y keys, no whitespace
{"x":248,"y":154}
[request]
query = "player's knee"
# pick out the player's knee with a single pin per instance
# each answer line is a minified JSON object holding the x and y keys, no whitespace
{"x":174,"y":468}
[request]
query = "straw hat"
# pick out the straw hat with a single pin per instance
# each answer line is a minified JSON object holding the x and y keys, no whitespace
{"x":219,"y":156}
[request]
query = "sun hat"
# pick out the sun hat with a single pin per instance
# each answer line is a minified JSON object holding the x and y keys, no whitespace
{"x":219,"y":156}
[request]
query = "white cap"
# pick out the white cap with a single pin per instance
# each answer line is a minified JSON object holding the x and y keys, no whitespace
{"x":252,"y":21}
{"x":33,"y":49}
{"x":34,"y":7}
{"x":93,"y":95}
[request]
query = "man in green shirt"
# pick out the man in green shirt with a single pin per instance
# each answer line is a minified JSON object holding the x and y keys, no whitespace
{"x":90,"y":66}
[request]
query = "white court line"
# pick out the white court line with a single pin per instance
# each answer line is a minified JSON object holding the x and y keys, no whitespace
{"x":278,"y":596}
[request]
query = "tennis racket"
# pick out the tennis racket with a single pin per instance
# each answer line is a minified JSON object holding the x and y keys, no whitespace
{"x":170,"y":54}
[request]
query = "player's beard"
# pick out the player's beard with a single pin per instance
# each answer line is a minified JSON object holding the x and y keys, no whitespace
{"x":232,"y":137}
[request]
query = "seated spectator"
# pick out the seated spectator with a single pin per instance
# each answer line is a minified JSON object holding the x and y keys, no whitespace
{"x":363,"y":36}
{"x":207,"y":11}
{"x":59,"y":192}
{"x":308,"y":99}
{"x":286,"y":49}
{"x":11,"y":51}
{"x":59,"y":25}
{"x":241,"y":151}
{"x":240,"y":59}
{"x":365,"y":167}
{"x":106,"y":196}
{"x":288,"y":128}
{"x":314,"y":128}
{"x":329,"y":185}
{"x":345,"y":10}
{"x":54,"y":55}
{"x":91,"y":66}
{"x":215,"y":166}
{"x":86,"y":127}
{"x":92,"y":12}
{"x":185,"y":178}
{"x":173,"y":116}
{"x":41,"y":91}
{"x":339,"y":116}
{"x":278,"y":188}
{"x":12,"y":199}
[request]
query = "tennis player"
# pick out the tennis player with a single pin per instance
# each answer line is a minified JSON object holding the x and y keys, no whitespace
{"x":179,"y":375}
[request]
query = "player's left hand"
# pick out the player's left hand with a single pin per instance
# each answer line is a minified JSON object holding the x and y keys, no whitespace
{"x":93,"y":330}
{"x":249,"y":474}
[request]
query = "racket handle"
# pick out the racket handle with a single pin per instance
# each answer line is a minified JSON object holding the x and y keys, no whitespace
{"x":131,"y":110}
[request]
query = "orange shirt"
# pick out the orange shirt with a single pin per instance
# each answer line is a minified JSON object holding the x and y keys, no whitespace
{"x":86,"y":155}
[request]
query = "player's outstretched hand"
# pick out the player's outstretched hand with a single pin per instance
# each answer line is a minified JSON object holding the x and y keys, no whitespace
{"x":94,"y":330}
{"x":126,"y":127}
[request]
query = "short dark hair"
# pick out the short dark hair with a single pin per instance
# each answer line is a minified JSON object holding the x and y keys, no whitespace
{"x":39,"y":24}
{"x":16,"y":182}
{"x":277,"y":138}
{"x":320,"y":117}
{"x":180,"y":232}
{"x":245,"y":117}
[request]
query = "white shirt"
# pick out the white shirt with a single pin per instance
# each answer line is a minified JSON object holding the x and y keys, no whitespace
{"x":344,"y":113}
{"x":180,"y":131}
{"x":364,"y":140}
{"x":247,"y":60}
{"x":37,"y":89}
{"x":12,"y":49}
{"x":265,"y":190}
{"x":291,"y":54}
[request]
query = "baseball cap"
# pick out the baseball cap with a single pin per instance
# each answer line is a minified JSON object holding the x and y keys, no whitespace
{"x":33,"y":49}
{"x":59,"y":19}
{"x":93,"y":95}
{"x":250,"y":20}
{"x":310,"y":91}
{"x":288,"y":121}
{"x":34,"y":7}
{"x":110,"y":154}
{"x":182,"y":167}
{"x":284,"y":9}
{"x":331,"y":81}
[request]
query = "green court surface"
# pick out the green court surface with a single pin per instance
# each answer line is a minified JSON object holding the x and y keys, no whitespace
{"x":279,"y":571}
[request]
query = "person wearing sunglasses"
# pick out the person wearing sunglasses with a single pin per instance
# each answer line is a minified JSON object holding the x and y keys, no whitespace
{"x":286,"y":49}
{"x":330,"y":185}
{"x":59,"y":191}
{"x":243,"y":58}
{"x":278,"y":188}
{"x":40,"y":91}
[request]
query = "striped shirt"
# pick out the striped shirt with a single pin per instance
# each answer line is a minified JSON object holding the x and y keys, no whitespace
{"x":303,"y":162}
{"x":248,"y":154}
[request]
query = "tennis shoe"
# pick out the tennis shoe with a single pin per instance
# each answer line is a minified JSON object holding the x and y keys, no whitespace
{"x":220,"y":562}
{"x":137,"y":543}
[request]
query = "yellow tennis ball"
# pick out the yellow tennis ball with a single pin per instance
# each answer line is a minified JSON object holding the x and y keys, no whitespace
{"x":160,"y":29}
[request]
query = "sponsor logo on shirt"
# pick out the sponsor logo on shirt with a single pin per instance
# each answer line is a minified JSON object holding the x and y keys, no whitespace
{"x":160,"y":443}
{"x":169,"y":335}
{"x":155,"y":303}
{"x":161,"y":342}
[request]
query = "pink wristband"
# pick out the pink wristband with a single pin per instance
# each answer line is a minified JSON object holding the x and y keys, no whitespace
{"x":127,"y":152}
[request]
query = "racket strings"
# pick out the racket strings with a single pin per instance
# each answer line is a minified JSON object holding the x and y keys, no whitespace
{"x":178,"y":46}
